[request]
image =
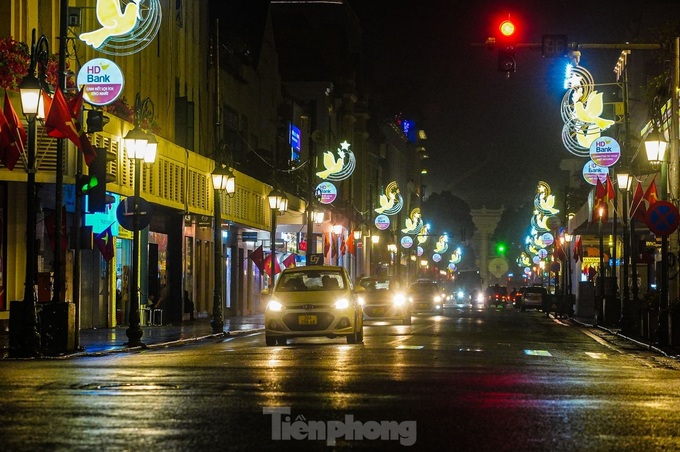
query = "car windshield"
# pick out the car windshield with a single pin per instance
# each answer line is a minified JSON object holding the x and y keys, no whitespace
{"x":297,"y":281}
{"x":417,"y":287}
{"x":379,"y":284}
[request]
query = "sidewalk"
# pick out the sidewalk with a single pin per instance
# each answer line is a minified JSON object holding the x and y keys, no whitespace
{"x":107,"y":340}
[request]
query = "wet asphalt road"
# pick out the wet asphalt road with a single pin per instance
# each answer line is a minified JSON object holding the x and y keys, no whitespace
{"x":470,"y":380}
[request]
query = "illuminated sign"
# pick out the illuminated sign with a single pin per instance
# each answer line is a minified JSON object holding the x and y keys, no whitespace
{"x":409,"y":129}
{"x":126,"y":26}
{"x":326,"y":192}
{"x":406,"y":242}
{"x":592,"y":172}
{"x":414,"y":224}
{"x":605,"y":151}
{"x":436,"y":257}
{"x":294,"y":138}
{"x":101,"y":221}
{"x":382,"y":222}
{"x":102,"y":80}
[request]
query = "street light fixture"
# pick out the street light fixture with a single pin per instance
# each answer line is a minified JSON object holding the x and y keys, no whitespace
{"x":278,"y":203}
{"x":655,"y":146}
{"x":31,"y":94}
{"x":136,"y":141}
{"x":223,"y":182}
{"x":625,"y":180}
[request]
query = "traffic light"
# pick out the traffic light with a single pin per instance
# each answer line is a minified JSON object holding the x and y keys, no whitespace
{"x":94,"y":184}
{"x":96,"y":121}
{"x":500,"y":248}
{"x":506,"y":47}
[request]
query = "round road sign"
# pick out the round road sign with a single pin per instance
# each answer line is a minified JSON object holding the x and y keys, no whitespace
{"x":663,"y":218}
{"x":125,"y":213}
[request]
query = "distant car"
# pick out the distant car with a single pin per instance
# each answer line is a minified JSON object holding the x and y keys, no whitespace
{"x":314,"y":301}
{"x":425,"y":296}
{"x":533,"y":297}
{"x":385,"y":299}
{"x":496,"y":295}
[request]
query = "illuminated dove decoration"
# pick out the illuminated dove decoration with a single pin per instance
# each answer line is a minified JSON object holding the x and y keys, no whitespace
{"x":414,"y":224}
{"x":544,"y":201}
{"x":114,"y":20}
{"x":340,"y":168}
{"x":391,"y":202}
{"x":456,"y":256}
{"x":442,"y":244}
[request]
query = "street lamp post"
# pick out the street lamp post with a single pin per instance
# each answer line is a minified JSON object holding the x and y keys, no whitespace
{"x":337,"y":232}
{"x":223,"y":181}
{"x":278,"y":203}
{"x":568,"y":238}
{"x":655,"y":146}
{"x":375,"y":239}
{"x":600,"y":277}
{"x":141,"y":147}
{"x":31,"y":93}
{"x":624,"y":180}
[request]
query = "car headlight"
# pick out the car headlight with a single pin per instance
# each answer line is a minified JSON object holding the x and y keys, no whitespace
{"x":437,"y":298}
{"x":274,"y":305}
{"x":461,"y":294}
{"x":343,"y":303}
{"x":362,"y":301}
{"x":399,"y":299}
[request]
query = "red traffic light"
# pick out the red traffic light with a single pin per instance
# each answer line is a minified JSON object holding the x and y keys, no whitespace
{"x":507,"y":28}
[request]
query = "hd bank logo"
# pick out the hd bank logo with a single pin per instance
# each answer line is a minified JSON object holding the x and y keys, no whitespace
{"x":299,"y":428}
{"x":125,"y":26}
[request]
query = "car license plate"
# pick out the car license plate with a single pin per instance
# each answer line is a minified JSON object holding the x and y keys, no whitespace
{"x":377,"y":311}
{"x":306,"y":320}
{"x":424,"y":306}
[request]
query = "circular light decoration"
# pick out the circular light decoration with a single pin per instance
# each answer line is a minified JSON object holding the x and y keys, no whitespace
{"x":437,"y":257}
{"x":391,"y":202}
{"x":382,"y":222}
{"x":413,"y":224}
{"x":452,"y":267}
{"x":406,"y":242}
{"x":126,"y":26}
{"x":326,"y":192}
{"x":547,"y":239}
{"x":527,"y":271}
{"x":542,"y":253}
{"x":419,"y":251}
{"x":337,"y":169}
{"x":536,"y":259}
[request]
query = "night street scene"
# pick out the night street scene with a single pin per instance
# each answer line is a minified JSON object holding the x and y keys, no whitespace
{"x":339,"y":224}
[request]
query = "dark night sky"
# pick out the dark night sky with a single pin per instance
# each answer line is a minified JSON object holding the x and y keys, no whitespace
{"x":491,"y":139}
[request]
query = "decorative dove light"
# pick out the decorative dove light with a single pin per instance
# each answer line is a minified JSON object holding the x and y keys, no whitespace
{"x":337,"y":169}
{"x":391,"y":202}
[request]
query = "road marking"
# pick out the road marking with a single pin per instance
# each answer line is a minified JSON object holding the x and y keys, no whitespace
{"x":470,"y":350}
{"x":409,"y":347}
{"x":537,"y":353}
{"x":596,"y":355}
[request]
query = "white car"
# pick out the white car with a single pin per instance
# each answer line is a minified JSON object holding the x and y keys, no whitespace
{"x":533,"y":297}
{"x":314,"y":301}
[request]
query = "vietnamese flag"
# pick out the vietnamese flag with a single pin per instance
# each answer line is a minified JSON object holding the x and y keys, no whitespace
{"x":326,"y":244}
{"x":60,"y":123}
{"x":268,"y":265}
{"x":104,"y":241}
{"x":600,"y":204}
{"x":611,"y":194}
{"x":10,"y":154}
{"x":651,"y":194}
{"x":638,"y":210}
{"x":289,"y":261}
{"x":350,"y":243}
{"x":257,"y":257}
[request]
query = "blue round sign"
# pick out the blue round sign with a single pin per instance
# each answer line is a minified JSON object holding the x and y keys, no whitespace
{"x":662,"y":218}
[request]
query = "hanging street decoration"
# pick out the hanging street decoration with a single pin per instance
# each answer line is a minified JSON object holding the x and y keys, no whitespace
{"x":326,"y":192}
{"x":337,"y":169}
{"x":456,"y":256}
{"x":126,"y":27}
{"x":582,"y":109}
{"x":413,"y":224}
{"x":592,"y":172}
{"x":442,"y":244}
{"x":382,"y":222}
{"x":391,"y":202}
{"x":605,"y":151}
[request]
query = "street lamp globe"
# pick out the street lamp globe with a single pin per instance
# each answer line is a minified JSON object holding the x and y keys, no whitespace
{"x":655,"y":146}
{"x":223,"y":180}
{"x":30,"y":91}
{"x":135,"y":143}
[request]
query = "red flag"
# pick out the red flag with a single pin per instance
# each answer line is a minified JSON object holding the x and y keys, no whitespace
{"x":61,"y":124}
{"x":343,"y":246}
{"x":51,"y":226}
{"x":5,"y":138}
{"x":611,"y":194}
{"x":76,"y":104}
{"x":104,"y":241}
{"x":578,"y":248}
{"x":268,"y":265}
{"x":638,"y":210}
{"x":600,"y":208}
{"x":650,"y":194}
{"x":350,"y":243}
{"x":257,"y":257}
{"x":289,"y":261}
{"x":326,"y":244}
{"x":11,"y":154}
{"x":46,"y":103}
{"x":334,"y":246}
